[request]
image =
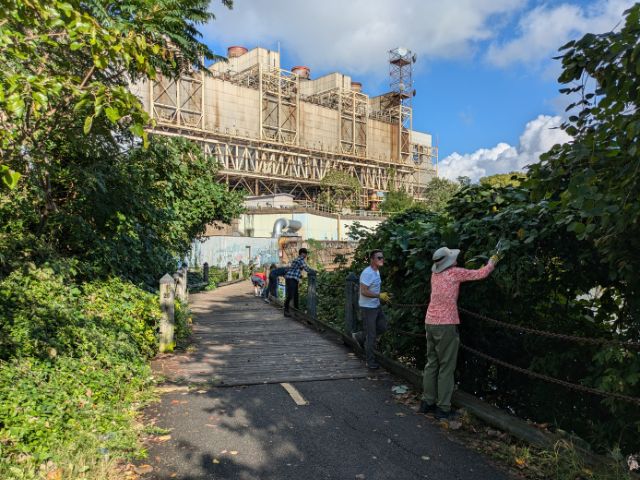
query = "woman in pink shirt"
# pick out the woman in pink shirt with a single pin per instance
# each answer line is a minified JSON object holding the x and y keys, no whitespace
{"x":442,"y":322}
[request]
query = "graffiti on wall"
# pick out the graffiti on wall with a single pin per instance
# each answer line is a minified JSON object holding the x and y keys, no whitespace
{"x":222,"y":250}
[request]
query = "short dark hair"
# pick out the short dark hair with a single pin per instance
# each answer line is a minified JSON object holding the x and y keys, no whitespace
{"x":373,"y":253}
{"x":303,"y":250}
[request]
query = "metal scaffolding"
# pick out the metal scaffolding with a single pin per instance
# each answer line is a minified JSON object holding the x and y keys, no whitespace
{"x":275,"y":158}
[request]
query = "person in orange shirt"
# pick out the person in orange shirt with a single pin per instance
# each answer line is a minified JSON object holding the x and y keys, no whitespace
{"x":259,"y":280}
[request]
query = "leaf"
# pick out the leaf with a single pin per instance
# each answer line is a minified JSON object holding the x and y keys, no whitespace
{"x":112,"y":114}
{"x":87,"y":124}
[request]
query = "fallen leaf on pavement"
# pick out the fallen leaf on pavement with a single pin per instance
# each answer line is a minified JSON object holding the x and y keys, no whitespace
{"x":453,"y":425}
{"x":163,"y":438}
{"x":142,"y":469}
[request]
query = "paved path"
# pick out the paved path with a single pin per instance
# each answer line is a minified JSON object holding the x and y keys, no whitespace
{"x":349,"y":428}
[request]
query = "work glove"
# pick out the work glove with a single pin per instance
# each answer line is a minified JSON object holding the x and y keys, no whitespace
{"x":385,"y":297}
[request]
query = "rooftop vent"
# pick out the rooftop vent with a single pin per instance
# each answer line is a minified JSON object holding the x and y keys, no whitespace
{"x":302,"y":71}
{"x":236,"y":51}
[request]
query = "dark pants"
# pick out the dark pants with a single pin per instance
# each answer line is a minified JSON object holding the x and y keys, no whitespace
{"x":374,"y":323}
{"x":271,"y":287}
{"x":292,"y":293}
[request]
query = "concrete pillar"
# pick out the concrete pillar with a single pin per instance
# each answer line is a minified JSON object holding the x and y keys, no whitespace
{"x":167,"y":322}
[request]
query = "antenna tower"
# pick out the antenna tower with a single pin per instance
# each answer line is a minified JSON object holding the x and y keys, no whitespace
{"x":401,"y":62}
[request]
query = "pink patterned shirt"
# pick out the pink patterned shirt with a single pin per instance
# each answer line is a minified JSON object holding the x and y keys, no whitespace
{"x":445,"y":287}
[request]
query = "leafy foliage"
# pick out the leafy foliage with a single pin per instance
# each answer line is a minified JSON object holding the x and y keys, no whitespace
{"x":438,"y":192}
{"x":396,"y":201}
{"x":595,"y":180}
{"x":73,"y":361}
{"x":339,"y":189}
{"x":66,"y":65}
{"x":128,"y":214}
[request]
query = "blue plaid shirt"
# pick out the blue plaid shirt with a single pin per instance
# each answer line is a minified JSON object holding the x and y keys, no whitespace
{"x":295,"y":270}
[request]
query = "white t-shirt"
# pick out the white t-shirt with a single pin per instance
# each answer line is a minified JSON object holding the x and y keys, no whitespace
{"x":370,"y":278}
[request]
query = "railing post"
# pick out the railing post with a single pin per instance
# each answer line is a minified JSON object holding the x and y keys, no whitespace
{"x":312,"y":297}
{"x":229,"y":272}
{"x":205,"y":273}
{"x":185,"y":281}
{"x":167,"y":324}
{"x":176,"y":285}
{"x":351,"y":303}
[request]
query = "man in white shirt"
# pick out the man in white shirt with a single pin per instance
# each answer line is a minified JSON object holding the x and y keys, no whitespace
{"x":374,"y":322}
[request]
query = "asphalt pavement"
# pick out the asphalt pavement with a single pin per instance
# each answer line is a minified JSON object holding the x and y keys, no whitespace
{"x":350,"y":429}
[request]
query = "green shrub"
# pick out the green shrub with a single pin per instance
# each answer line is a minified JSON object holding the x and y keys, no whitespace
{"x":73,"y":368}
{"x":44,"y":315}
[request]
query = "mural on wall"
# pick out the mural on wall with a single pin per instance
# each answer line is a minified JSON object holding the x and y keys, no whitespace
{"x":220,"y":251}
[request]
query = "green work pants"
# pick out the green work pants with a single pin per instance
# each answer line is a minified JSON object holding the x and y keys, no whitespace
{"x":442,"y":355}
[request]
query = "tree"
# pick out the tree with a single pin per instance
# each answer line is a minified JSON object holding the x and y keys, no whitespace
{"x":66,"y":66}
{"x":438,"y":193}
{"x":339,"y":189}
{"x":70,"y":130}
{"x":595,"y":179}
{"x":513,"y":179}
{"x":396,"y":201}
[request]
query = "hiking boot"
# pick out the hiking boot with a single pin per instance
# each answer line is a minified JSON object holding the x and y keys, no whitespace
{"x":446,"y":416}
{"x":426,"y":408}
{"x":287,"y":314}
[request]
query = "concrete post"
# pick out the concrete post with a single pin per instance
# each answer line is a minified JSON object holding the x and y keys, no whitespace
{"x":351,"y":304}
{"x":205,"y":273}
{"x":312,"y":297}
{"x":167,"y":322}
{"x":229,"y":272}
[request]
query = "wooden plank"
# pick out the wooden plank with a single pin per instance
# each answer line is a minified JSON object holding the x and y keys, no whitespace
{"x":241,"y":341}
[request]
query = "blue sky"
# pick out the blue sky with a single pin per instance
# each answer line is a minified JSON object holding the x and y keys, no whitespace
{"x":485,"y":79}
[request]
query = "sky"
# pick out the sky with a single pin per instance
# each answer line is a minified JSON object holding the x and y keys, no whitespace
{"x":485,"y":78}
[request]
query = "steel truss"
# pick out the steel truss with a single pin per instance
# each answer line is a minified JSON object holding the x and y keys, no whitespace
{"x":279,"y":167}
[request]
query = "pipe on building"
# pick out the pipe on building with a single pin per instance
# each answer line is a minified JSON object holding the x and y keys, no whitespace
{"x":283,"y":223}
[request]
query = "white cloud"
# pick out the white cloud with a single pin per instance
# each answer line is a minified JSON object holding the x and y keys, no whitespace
{"x":354,"y":36}
{"x":538,"y":137}
{"x":542,"y":30}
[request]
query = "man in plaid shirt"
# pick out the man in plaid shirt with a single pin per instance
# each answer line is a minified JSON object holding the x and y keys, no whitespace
{"x":292,"y":279}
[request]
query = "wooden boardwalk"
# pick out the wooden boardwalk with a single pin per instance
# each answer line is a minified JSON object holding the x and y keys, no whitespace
{"x":240,"y":340}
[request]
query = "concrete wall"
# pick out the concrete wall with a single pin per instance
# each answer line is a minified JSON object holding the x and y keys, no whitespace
{"x":318,"y":127}
{"x":317,"y":227}
{"x":229,"y":106}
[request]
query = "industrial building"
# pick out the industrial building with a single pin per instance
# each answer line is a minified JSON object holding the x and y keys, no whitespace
{"x":281,"y":131}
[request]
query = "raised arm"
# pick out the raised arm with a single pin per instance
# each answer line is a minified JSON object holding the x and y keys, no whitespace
{"x":465,"y":275}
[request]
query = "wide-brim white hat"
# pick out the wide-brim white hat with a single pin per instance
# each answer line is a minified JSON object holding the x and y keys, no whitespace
{"x":443,"y":258}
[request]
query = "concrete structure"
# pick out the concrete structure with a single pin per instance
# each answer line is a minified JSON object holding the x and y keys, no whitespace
{"x":278,"y":131}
